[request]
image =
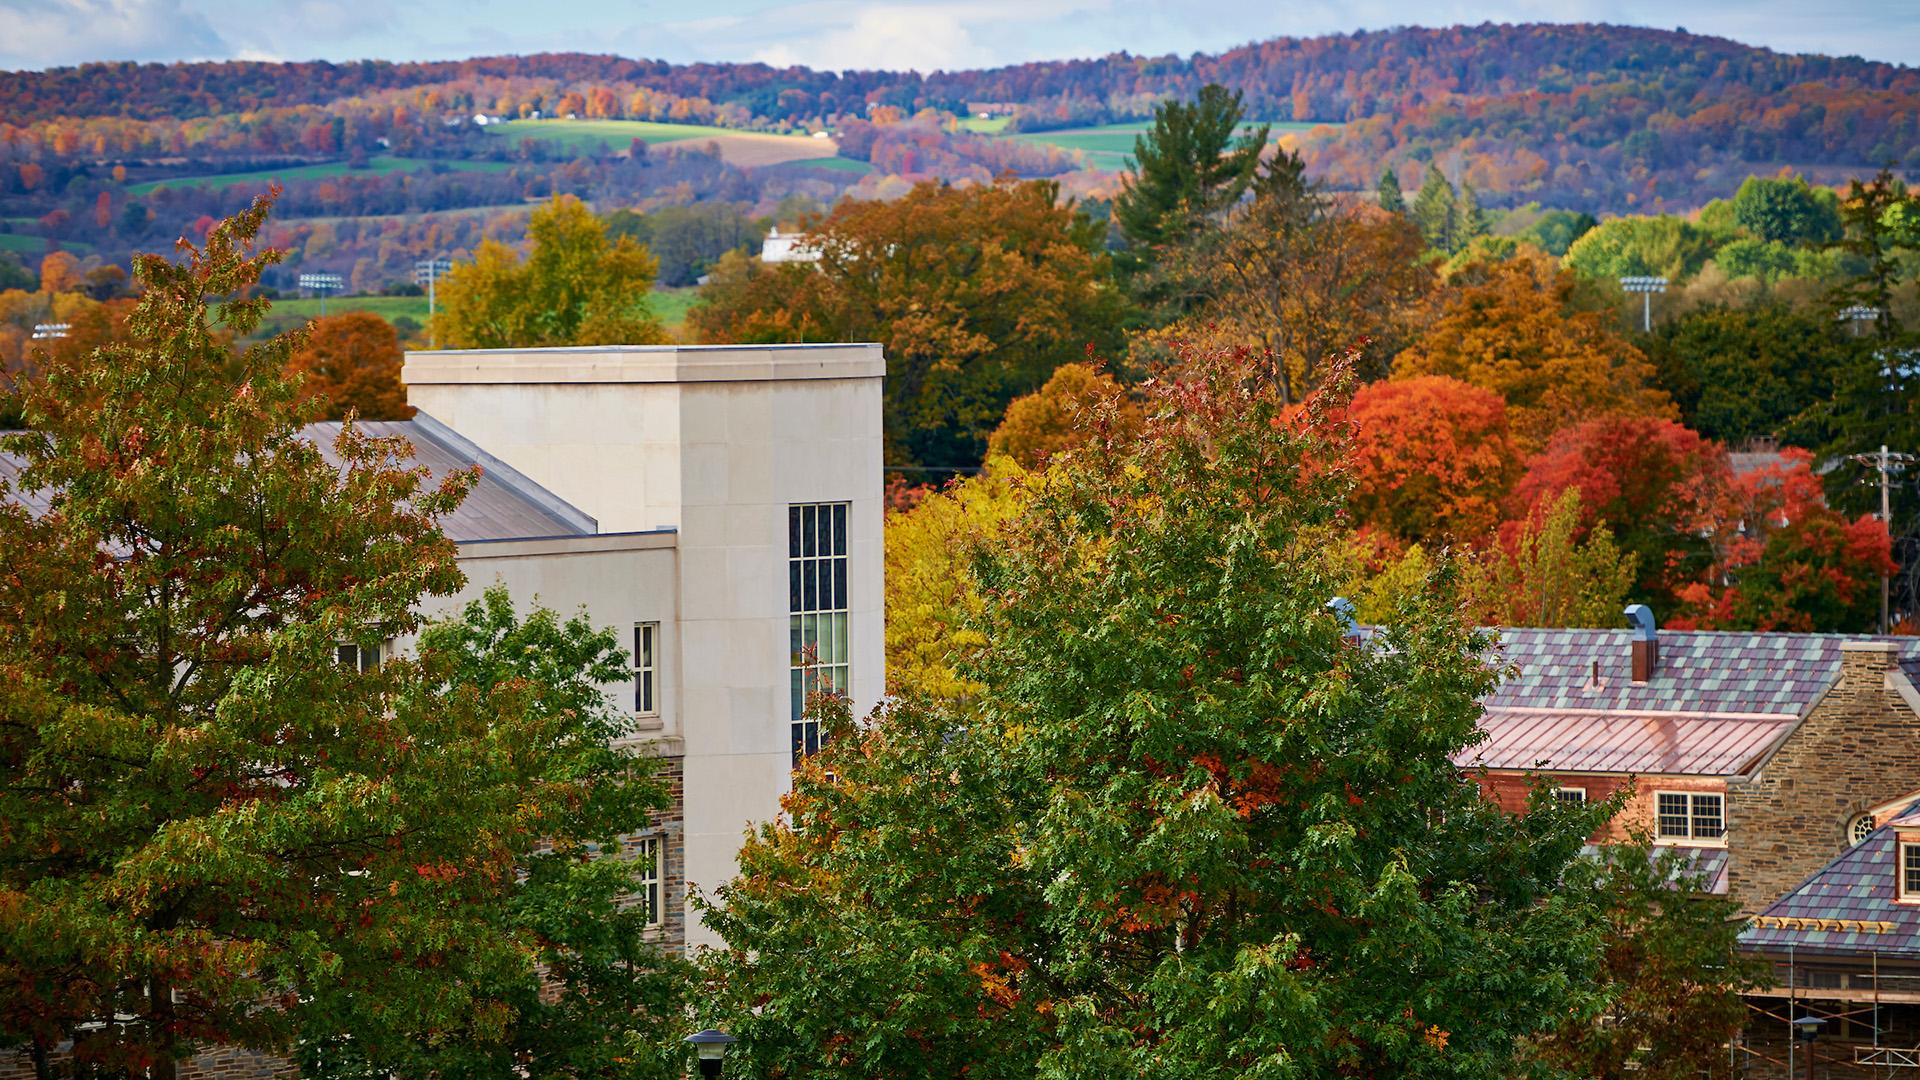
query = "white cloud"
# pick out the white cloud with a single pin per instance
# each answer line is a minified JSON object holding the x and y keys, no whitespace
{"x":49,"y":33}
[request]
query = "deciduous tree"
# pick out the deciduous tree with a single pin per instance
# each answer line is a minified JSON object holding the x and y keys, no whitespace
{"x":1512,"y":328}
{"x":1550,"y":569}
{"x":351,"y":362}
{"x":214,"y":832}
{"x":574,"y":288}
{"x":1185,"y":827}
{"x":1432,"y":458}
{"x":977,"y":293}
{"x":1080,"y":401}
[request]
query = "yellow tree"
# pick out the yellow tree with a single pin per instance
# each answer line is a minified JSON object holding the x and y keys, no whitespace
{"x":576,"y":287}
{"x":1512,"y":328}
{"x":1049,"y":420}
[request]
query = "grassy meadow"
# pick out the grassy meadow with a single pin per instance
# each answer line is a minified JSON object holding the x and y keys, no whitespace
{"x":375,"y":165}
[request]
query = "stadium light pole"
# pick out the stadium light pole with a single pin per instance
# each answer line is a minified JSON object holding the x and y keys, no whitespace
{"x":322,"y":284}
{"x":1646,"y":286}
{"x":46,"y":331}
{"x":1858,"y":316}
{"x":428,"y":272}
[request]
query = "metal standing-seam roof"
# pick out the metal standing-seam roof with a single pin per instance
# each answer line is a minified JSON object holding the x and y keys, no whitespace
{"x":1573,"y":740}
{"x":1848,"y":907}
{"x":504,"y":505}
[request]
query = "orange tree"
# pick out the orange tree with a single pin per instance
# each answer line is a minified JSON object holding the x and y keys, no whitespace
{"x":1512,"y":327}
{"x":1183,"y":827}
{"x":1057,"y":417}
{"x":977,"y":293}
{"x":213,"y":833}
{"x":1432,"y":458}
{"x":351,"y":362}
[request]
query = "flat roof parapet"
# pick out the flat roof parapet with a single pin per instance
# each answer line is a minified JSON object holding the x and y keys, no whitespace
{"x":609,"y":364}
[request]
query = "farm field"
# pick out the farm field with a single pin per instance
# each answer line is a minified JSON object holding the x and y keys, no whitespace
{"x":837,"y":164}
{"x":748,"y":149}
{"x":670,"y":304}
{"x":381,"y":164}
{"x":1108,"y":146}
{"x":992,"y":125}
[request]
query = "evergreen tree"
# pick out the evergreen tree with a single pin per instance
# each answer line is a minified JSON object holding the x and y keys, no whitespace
{"x":1189,"y":168}
{"x":1470,"y":220}
{"x":1436,"y":213}
{"x":1391,"y":199}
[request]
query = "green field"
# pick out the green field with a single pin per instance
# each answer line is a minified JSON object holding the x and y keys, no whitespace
{"x":992,"y":125}
{"x":670,"y":304}
{"x":578,"y":135}
{"x":1108,"y":146}
{"x":381,"y":164}
{"x":37,"y":244}
{"x":836,"y":164}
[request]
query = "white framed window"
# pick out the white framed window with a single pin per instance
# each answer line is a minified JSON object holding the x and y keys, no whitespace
{"x":357,"y":657}
{"x":1570,"y":794}
{"x":817,"y":613}
{"x":1859,"y":829}
{"x":1909,"y":871}
{"x":650,"y":853}
{"x":1689,"y":815}
{"x":646,"y":668}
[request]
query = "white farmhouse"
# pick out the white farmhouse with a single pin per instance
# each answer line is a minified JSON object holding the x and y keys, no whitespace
{"x":779,"y":247}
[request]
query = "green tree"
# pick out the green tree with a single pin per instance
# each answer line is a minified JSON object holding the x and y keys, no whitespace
{"x":1552,"y":571}
{"x":1637,"y":246}
{"x":1554,"y":231}
{"x":1739,"y":374}
{"x":1472,"y":220}
{"x":1787,"y":210}
{"x":1437,"y":213}
{"x":689,"y":240}
{"x":978,"y":294}
{"x":1672,"y":971}
{"x":1184,"y":828}
{"x":1390,"y":197}
{"x":1189,"y":168}
{"x":574,"y":288}
{"x":214,"y":832}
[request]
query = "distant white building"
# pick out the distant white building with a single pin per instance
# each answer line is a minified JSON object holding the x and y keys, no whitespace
{"x":781,"y":247}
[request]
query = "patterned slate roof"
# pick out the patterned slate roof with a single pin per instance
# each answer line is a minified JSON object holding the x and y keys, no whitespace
{"x":503,"y":506}
{"x":1847,"y":908}
{"x":1698,"y":671}
{"x":1572,"y":740}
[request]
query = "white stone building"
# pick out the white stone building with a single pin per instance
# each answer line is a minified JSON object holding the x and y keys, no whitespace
{"x":721,"y":506}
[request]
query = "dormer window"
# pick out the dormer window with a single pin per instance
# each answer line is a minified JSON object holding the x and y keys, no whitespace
{"x":1910,"y":870}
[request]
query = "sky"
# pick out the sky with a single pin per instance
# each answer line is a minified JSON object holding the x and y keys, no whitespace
{"x":842,"y":34}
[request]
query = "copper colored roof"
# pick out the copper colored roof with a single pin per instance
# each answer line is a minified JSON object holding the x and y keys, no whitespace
{"x":1643,"y":742}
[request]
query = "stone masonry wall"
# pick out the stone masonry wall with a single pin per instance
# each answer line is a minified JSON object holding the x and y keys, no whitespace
{"x":1857,"y":748}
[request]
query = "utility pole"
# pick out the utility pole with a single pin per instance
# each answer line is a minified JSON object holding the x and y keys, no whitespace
{"x":428,"y":272}
{"x":1886,"y":463}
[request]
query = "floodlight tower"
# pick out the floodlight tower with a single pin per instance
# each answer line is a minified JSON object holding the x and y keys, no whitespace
{"x":1646,"y":287}
{"x":322,"y":284}
{"x":1857,"y":316}
{"x":48,"y":330}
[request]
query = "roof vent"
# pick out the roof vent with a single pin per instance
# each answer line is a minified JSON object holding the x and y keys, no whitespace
{"x":1342,"y":609}
{"x":1646,"y":641}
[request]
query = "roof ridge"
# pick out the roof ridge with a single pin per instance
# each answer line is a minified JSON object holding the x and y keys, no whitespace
{"x":518,"y":482}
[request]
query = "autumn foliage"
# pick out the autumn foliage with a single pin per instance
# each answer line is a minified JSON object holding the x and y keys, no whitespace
{"x":352,"y":363}
{"x":1432,"y":458}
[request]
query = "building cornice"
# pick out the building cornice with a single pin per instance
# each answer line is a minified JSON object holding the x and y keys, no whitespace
{"x":622,"y":364}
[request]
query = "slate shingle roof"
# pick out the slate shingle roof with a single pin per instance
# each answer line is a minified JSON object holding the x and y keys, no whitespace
{"x":1854,"y":896}
{"x":503,"y":506}
{"x":1698,"y":671}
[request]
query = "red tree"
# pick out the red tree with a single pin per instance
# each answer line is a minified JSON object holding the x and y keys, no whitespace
{"x":1432,"y":458}
{"x":1657,"y":485}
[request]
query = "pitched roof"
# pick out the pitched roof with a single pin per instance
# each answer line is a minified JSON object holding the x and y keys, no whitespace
{"x":504,"y":505}
{"x":1749,"y":673}
{"x":1848,"y":907}
{"x":1582,"y":740}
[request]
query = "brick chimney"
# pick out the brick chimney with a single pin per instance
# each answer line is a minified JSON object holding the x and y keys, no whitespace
{"x":1646,"y":642}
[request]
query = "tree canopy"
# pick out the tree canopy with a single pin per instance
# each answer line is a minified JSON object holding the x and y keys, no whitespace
{"x":351,"y":362}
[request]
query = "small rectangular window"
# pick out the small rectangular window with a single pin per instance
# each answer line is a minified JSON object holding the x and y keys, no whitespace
{"x":1909,"y":871}
{"x":646,"y":668}
{"x":649,"y":854}
{"x":1683,"y":815}
{"x":357,"y":657}
{"x":1570,"y":794}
